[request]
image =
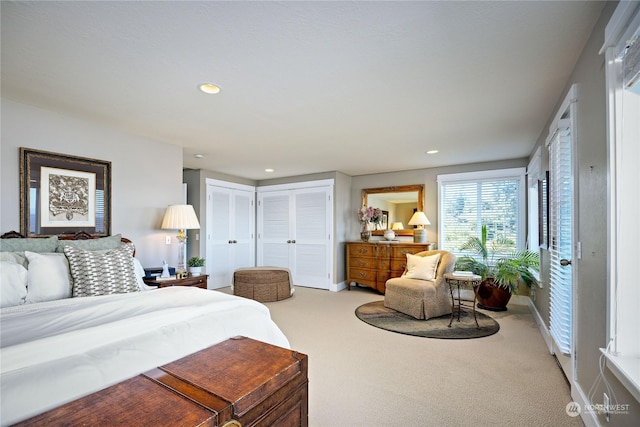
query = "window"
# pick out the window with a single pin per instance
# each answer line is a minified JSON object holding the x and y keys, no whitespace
{"x":467,"y":201}
{"x":622,"y":49}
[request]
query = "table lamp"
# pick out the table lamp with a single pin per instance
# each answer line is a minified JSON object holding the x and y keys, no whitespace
{"x":181,"y":218}
{"x":397,"y":226}
{"x":420,"y":220}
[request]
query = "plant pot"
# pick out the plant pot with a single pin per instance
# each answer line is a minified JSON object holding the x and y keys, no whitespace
{"x":195,"y":271}
{"x":492,"y":297}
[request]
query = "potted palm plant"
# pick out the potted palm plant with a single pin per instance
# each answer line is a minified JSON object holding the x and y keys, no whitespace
{"x":195,"y":265}
{"x":501,"y":274}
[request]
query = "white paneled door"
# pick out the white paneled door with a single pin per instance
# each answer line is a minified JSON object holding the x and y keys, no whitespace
{"x":230,"y":233}
{"x":295,"y":232}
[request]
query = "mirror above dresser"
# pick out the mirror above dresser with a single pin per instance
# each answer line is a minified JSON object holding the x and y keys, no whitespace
{"x":398,"y":203}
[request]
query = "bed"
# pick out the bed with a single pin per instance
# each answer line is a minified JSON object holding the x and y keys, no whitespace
{"x":57,"y":350}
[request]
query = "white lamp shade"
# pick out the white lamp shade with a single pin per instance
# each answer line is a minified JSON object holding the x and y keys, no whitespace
{"x":180,"y":217}
{"x":397,"y":226}
{"x":419,"y":218}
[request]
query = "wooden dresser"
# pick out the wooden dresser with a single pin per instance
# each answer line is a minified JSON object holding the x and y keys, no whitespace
{"x":373,"y":263}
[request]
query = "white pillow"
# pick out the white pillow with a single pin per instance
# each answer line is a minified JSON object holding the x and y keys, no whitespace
{"x":139,"y":275}
{"x":49,"y":277}
{"x":423,"y":268}
{"x":13,"y":278}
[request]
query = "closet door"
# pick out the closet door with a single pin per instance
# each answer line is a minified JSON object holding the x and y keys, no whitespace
{"x":274,"y":229}
{"x":295,"y":231}
{"x":218,"y":257}
{"x":312,"y":234}
{"x":242,"y":226}
{"x":230,"y":233}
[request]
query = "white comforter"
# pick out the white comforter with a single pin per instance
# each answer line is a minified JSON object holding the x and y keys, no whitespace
{"x":55,"y":352}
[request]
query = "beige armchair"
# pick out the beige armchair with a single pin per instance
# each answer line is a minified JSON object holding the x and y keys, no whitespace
{"x":419,"y":298}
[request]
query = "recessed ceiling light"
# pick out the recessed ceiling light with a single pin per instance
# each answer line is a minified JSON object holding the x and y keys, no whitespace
{"x":432,"y":151}
{"x":268,"y":170}
{"x":209,"y":88}
{"x":199,"y":156}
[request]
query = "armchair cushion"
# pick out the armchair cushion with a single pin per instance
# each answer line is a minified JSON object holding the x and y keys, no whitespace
{"x":421,"y":267}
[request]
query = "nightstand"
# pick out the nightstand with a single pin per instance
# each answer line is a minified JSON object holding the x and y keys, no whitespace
{"x":197,"y":281}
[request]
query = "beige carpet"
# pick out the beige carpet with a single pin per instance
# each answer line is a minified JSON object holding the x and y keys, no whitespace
{"x":360,"y":375}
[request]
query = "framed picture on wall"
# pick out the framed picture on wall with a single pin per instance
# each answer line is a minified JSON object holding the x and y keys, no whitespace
{"x":63,"y":194}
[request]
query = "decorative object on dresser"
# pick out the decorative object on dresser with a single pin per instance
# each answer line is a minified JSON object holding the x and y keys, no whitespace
{"x":263,"y":385}
{"x":71,"y":194}
{"x":422,"y":292}
{"x":419,"y":219}
{"x":373,"y":263}
{"x":181,"y":218}
{"x":199,"y":281}
{"x":368,"y":216}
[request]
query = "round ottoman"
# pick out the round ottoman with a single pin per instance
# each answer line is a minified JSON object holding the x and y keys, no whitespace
{"x":263,"y":284}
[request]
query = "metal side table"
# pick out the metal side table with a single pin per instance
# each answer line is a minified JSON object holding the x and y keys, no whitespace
{"x":460,"y":281}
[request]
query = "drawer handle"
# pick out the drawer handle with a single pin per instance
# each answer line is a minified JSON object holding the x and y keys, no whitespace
{"x":362,"y":274}
{"x":362,"y":263}
{"x":362,"y":250}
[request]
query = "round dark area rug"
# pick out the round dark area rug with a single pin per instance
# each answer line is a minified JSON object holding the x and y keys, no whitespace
{"x":376,"y":314}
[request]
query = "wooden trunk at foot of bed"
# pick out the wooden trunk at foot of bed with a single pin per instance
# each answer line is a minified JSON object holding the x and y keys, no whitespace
{"x":239,"y":382}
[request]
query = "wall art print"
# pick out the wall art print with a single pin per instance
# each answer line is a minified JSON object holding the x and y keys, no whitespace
{"x":64,"y":194}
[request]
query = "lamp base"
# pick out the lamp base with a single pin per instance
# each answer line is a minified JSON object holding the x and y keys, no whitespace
{"x":419,"y":235}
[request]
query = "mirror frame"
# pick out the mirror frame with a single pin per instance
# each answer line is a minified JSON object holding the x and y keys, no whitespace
{"x":397,"y":189}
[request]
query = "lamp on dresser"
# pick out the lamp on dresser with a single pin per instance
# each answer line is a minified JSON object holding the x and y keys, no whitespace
{"x":181,"y":218}
{"x":419,"y":219}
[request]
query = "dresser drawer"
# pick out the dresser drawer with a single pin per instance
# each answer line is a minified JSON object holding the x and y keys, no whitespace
{"x":398,"y":265}
{"x":402,"y":251}
{"x":365,"y":263}
{"x":383,"y":276}
{"x":367,"y":277}
{"x":364,"y":250}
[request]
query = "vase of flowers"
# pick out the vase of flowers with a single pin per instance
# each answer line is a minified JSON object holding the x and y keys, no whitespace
{"x":368,"y":216}
{"x":365,"y":233}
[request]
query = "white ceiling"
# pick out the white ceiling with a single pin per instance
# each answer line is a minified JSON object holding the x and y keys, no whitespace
{"x":356,"y":87}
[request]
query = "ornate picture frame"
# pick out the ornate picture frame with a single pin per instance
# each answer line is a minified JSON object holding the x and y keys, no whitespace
{"x":63,"y":194}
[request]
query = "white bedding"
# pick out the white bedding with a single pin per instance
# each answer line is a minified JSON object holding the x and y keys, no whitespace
{"x":58,"y":351}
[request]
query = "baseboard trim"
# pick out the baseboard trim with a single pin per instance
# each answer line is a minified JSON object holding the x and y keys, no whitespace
{"x":544,"y":330}
{"x":589,"y":417}
{"x":337,"y":287}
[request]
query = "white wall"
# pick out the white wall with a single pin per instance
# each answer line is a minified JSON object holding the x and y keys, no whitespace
{"x":146,"y":175}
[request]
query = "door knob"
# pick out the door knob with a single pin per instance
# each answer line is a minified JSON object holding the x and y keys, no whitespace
{"x":565,"y":262}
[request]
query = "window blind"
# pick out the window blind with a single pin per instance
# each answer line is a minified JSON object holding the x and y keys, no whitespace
{"x":560,"y":213}
{"x":469,"y":201}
